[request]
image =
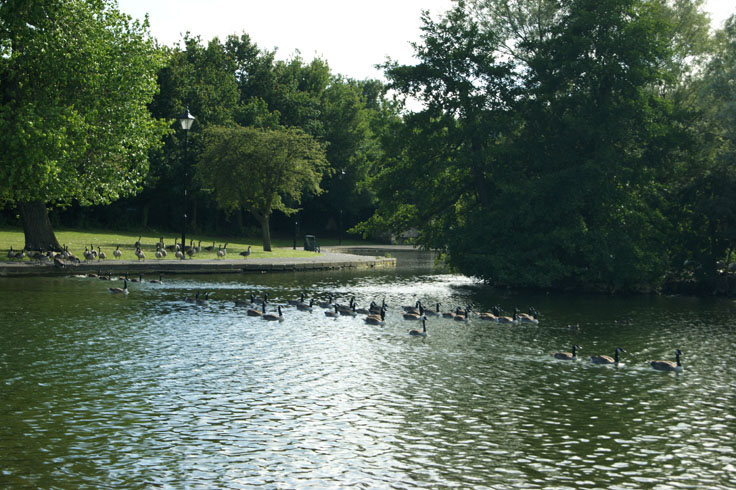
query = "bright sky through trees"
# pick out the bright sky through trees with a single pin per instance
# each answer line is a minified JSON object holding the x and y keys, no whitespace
{"x":351,"y":36}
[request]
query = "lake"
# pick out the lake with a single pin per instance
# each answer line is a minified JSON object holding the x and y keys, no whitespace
{"x":107,"y":391}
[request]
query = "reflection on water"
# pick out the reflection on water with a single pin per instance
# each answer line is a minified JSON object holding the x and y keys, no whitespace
{"x":106,"y":391}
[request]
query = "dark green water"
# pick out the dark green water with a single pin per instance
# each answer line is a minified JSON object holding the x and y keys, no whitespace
{"x":103,"y":391}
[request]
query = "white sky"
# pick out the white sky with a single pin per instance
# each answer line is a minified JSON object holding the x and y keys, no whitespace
{"x":352,"y":36}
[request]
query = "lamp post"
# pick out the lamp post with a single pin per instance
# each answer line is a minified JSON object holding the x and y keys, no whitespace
{"x":186,"y":120}
{"x":339,"y":223}
{"x":339,"y":234}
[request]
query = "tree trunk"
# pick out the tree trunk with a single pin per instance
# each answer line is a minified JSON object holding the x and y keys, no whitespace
{"x":144,"y":217}
{"x":193,"y":217}
{"x":239,"y":220}
{"x":37,"y":226}
{"x":265,"y":231}
{"x":478,"y":177}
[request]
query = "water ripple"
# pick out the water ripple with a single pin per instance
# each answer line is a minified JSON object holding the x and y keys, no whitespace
{"x":152,"y":391}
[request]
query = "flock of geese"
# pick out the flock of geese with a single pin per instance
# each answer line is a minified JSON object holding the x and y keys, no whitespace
{"x":376,"y":315}
{"x":666,"y":365}
{"x":91,"y":253}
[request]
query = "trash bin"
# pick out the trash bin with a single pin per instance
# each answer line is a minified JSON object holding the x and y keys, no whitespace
{"x":310,"y":243}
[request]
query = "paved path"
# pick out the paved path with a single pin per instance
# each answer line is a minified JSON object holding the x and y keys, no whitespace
{"x":330,"y":258}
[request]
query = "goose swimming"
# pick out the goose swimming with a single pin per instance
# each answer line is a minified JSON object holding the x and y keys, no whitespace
{"x":675,"y":365}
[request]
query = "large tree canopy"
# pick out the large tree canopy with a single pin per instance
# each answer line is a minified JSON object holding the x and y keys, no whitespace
{"x":261,"y":170}
{"x":547,"y":140}
{"x":706,"y":198}
{"x":75,"y":80}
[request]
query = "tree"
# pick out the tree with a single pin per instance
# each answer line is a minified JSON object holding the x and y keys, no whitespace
{"x":200,"y":77}
{"x":706,"y":197}
{"x":260,"y":170}
{"x":545,"y":149}
{"x":442,"y":162}
{"x":235,"y":81}
{"x":75,"y":81}
{"x":351,"y":128}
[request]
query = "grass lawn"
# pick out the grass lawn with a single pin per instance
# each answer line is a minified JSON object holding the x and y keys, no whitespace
{"x":107,"y":240}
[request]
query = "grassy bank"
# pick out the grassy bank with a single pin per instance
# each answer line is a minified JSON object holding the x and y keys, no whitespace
{"x":107,"y":241}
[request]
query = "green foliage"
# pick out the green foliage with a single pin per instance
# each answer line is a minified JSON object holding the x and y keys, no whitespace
{"x":552,"y":135}
{"x":706,"y":195}
{"x":261,"y":170}
{"x":235,"y":82}
{"x":75,"y":81}
{"x":199,"y":77}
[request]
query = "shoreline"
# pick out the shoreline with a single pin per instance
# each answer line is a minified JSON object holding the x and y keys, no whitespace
{"x":333,"y":259}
